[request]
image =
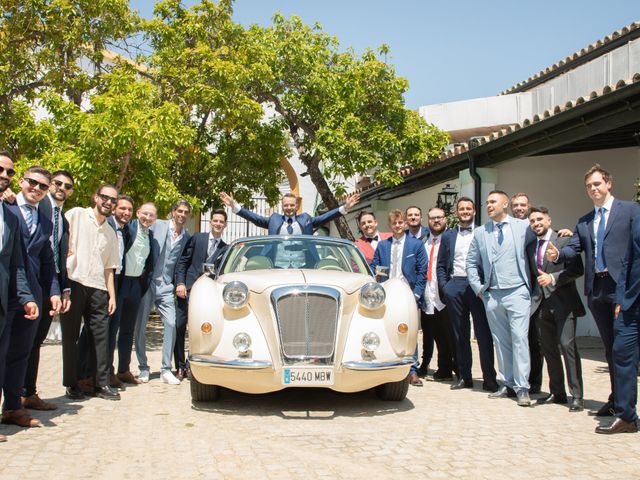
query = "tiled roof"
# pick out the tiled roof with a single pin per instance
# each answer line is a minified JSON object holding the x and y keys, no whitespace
{"x":464,"y":147}
{"x":557,"y":67}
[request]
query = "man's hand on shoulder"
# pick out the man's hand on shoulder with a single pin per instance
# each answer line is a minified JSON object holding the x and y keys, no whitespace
{"x":8,"y":196}
{"x":565,"y":232}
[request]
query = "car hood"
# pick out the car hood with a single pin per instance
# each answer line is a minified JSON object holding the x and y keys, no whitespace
{"x":260,"y":280}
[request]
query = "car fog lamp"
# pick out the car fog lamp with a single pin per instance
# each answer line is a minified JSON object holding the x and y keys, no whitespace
{"x":370,"y":341}
{"x":403,"y":328}
{"x":206,"y":327}
{"x":372,"y":295}
{"x":235,"y":294}
{"x":242,"y":342}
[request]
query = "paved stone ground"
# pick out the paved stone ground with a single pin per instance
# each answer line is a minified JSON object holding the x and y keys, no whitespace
{"x":156,"y":432}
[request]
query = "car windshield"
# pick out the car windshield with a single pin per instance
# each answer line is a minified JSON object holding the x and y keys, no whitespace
{"x":293,"y":252}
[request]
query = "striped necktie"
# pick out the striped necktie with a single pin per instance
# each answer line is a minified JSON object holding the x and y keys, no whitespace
{"x":56,"y":240}
{"x":29,"y":217}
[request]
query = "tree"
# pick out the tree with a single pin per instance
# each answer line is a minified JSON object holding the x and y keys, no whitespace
{"x":344,"y":114}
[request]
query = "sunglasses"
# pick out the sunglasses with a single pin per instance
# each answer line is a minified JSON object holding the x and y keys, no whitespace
{"x":34,"y":183}
{"x":10,"y":171}
{"x":65,"y":185}
{"x":107,"y":198}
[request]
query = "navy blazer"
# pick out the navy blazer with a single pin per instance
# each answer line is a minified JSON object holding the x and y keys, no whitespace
{"x":130,"y":231}
{"x":616,"y":241}
{"x":194,"y":255}
{"x":14,"y":286}
{"x":414,"y":263}
{"x":38,"y":256}
{"x":274,"y":222}
{"x":63,"y":244}
{"x":628,"y":288}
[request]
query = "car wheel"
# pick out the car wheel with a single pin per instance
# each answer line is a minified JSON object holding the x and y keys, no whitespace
{"x":393,"y":391}
{"x":201,"y":392}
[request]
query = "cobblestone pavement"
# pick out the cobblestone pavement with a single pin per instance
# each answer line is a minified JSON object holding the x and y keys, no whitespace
{"x":156,"y":432}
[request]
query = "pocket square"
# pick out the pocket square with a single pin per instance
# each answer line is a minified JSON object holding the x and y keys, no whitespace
{"x":411,"y":255}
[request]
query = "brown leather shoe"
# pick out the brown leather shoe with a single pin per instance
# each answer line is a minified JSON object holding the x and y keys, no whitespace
{"x":86,"y":386}
{"x":19,"y":417}
{"x":618,"y":426}
{"x":180,"y":374}
{"x":127,"y":377}
{"x":115,"y":382}
{"x":34,"y":402}
{"x":415,"y":380}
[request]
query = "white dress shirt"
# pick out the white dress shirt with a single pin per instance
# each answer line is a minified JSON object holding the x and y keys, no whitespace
{"x":395,"y":265}
{"x":596,"y":221}
{"x":431,"y":294}
{"x":463,"y":241}
{"x":1,"y":226}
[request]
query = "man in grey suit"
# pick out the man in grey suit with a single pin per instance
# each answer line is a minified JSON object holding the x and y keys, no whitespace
{"x":555,"y":310}
{"x":169,"y":239}
{"x":499,"y":271}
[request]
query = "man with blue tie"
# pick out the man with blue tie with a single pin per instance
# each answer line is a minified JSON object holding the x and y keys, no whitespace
{"x":169,"y":239}
{"x":289,"y":223}
{"x":626,"y":343}
{"x":462,"y":301}
{"x":405,"y":257}
{"x":200,"y":249}
{"x":603,"y":235}
{"x":18,"y":336}
{"x":500,"y":272}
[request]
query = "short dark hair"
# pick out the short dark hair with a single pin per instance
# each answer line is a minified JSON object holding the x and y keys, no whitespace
{"x":363,"y":213}
{"x":606,"y":176}
{"x":465,"y":199}
{"x":103,"y":186}
{"x":66,"y":173}
{"x":181,"y":203}
{"x":126,"y":198}
{"x":543,"y":210}
{"x":4,"y":153}
{"x":499,"y":192}
{"x":219,"y":211}
{"x":412,"y":206}
{"x":40,"y":171}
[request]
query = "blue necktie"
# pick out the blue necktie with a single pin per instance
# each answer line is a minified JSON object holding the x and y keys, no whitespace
{"x":29,"y":211}
{"x":600,"y":263}
{"x":500,"y":232}
{"x":290,"y":226}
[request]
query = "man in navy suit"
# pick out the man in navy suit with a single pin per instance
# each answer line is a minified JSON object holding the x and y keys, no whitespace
{"x":405,"y":257}
{"x":289,"y":223}
{"x":201,"y":248}
{"x":603,"y":235}
{"x":500,"y":272}
{"x":60,"y":189}
{"x":17,"y":338}
{"x":626,"y":343}
{"x":461,"y":301}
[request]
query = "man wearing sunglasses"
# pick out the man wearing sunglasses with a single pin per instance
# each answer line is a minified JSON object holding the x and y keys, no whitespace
{"x":18,"y":336}
{"x":14,"y":287}
{"x":60,"y":189}
{"x":93,"y":257}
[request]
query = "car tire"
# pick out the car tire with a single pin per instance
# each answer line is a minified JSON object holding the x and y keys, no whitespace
{"x":201,"y":392}
{"x":393,"y":391}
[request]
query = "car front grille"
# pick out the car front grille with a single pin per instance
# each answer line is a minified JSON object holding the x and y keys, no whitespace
{"x":307,"y":318}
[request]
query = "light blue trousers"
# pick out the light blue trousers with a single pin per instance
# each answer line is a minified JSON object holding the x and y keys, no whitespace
{"x":162,"y":296}
{"x":508,"y":316}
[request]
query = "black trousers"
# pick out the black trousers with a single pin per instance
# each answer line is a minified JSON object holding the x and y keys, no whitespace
{"x":91,"y":305}
{"x":558,"y":336}
{"x":182,"y":312}
{"x":439,"y":325}
{"x":601,"y":305}
{"x":535,"y":355}
{"x":31,"y":377}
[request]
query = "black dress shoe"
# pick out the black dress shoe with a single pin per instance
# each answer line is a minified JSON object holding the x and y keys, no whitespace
{"x":577,"y":405}
{"x":460,"y":384}
{"x":490,"y":386}
{"x":423,"y":370}
{"x":440,"y":375}
{"x":107,"y":393}
{"x":74,"y":393}
{"x":606,"y":410}
{"x":535,"y":389}
{"x":552,"y":398}
{"x":618,"y":426}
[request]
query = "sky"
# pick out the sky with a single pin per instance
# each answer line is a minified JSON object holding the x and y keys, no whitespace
{"x":456,"y":49}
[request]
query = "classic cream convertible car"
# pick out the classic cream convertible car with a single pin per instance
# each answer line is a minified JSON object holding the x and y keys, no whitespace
{"x":299,"y":311}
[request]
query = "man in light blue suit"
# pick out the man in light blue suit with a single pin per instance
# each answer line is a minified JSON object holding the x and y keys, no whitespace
{"x":289,"y":223}
{"x":499,"y":271}
{"x":169,"y":239}
{"x":406,"y":258}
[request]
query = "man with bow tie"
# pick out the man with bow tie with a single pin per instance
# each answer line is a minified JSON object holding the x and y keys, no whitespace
{"x":289,"y":223}
{"x":368,"y":242}
{"x":201,"y":248}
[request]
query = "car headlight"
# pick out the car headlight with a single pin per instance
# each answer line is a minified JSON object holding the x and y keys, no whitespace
{"x":370,"y":341}
{"x":242,"y":342}
{"x":372,"y":295}
{"x":235,"y":294}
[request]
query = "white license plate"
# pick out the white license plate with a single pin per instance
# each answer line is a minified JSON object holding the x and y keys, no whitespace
{"x":307,"y":376}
